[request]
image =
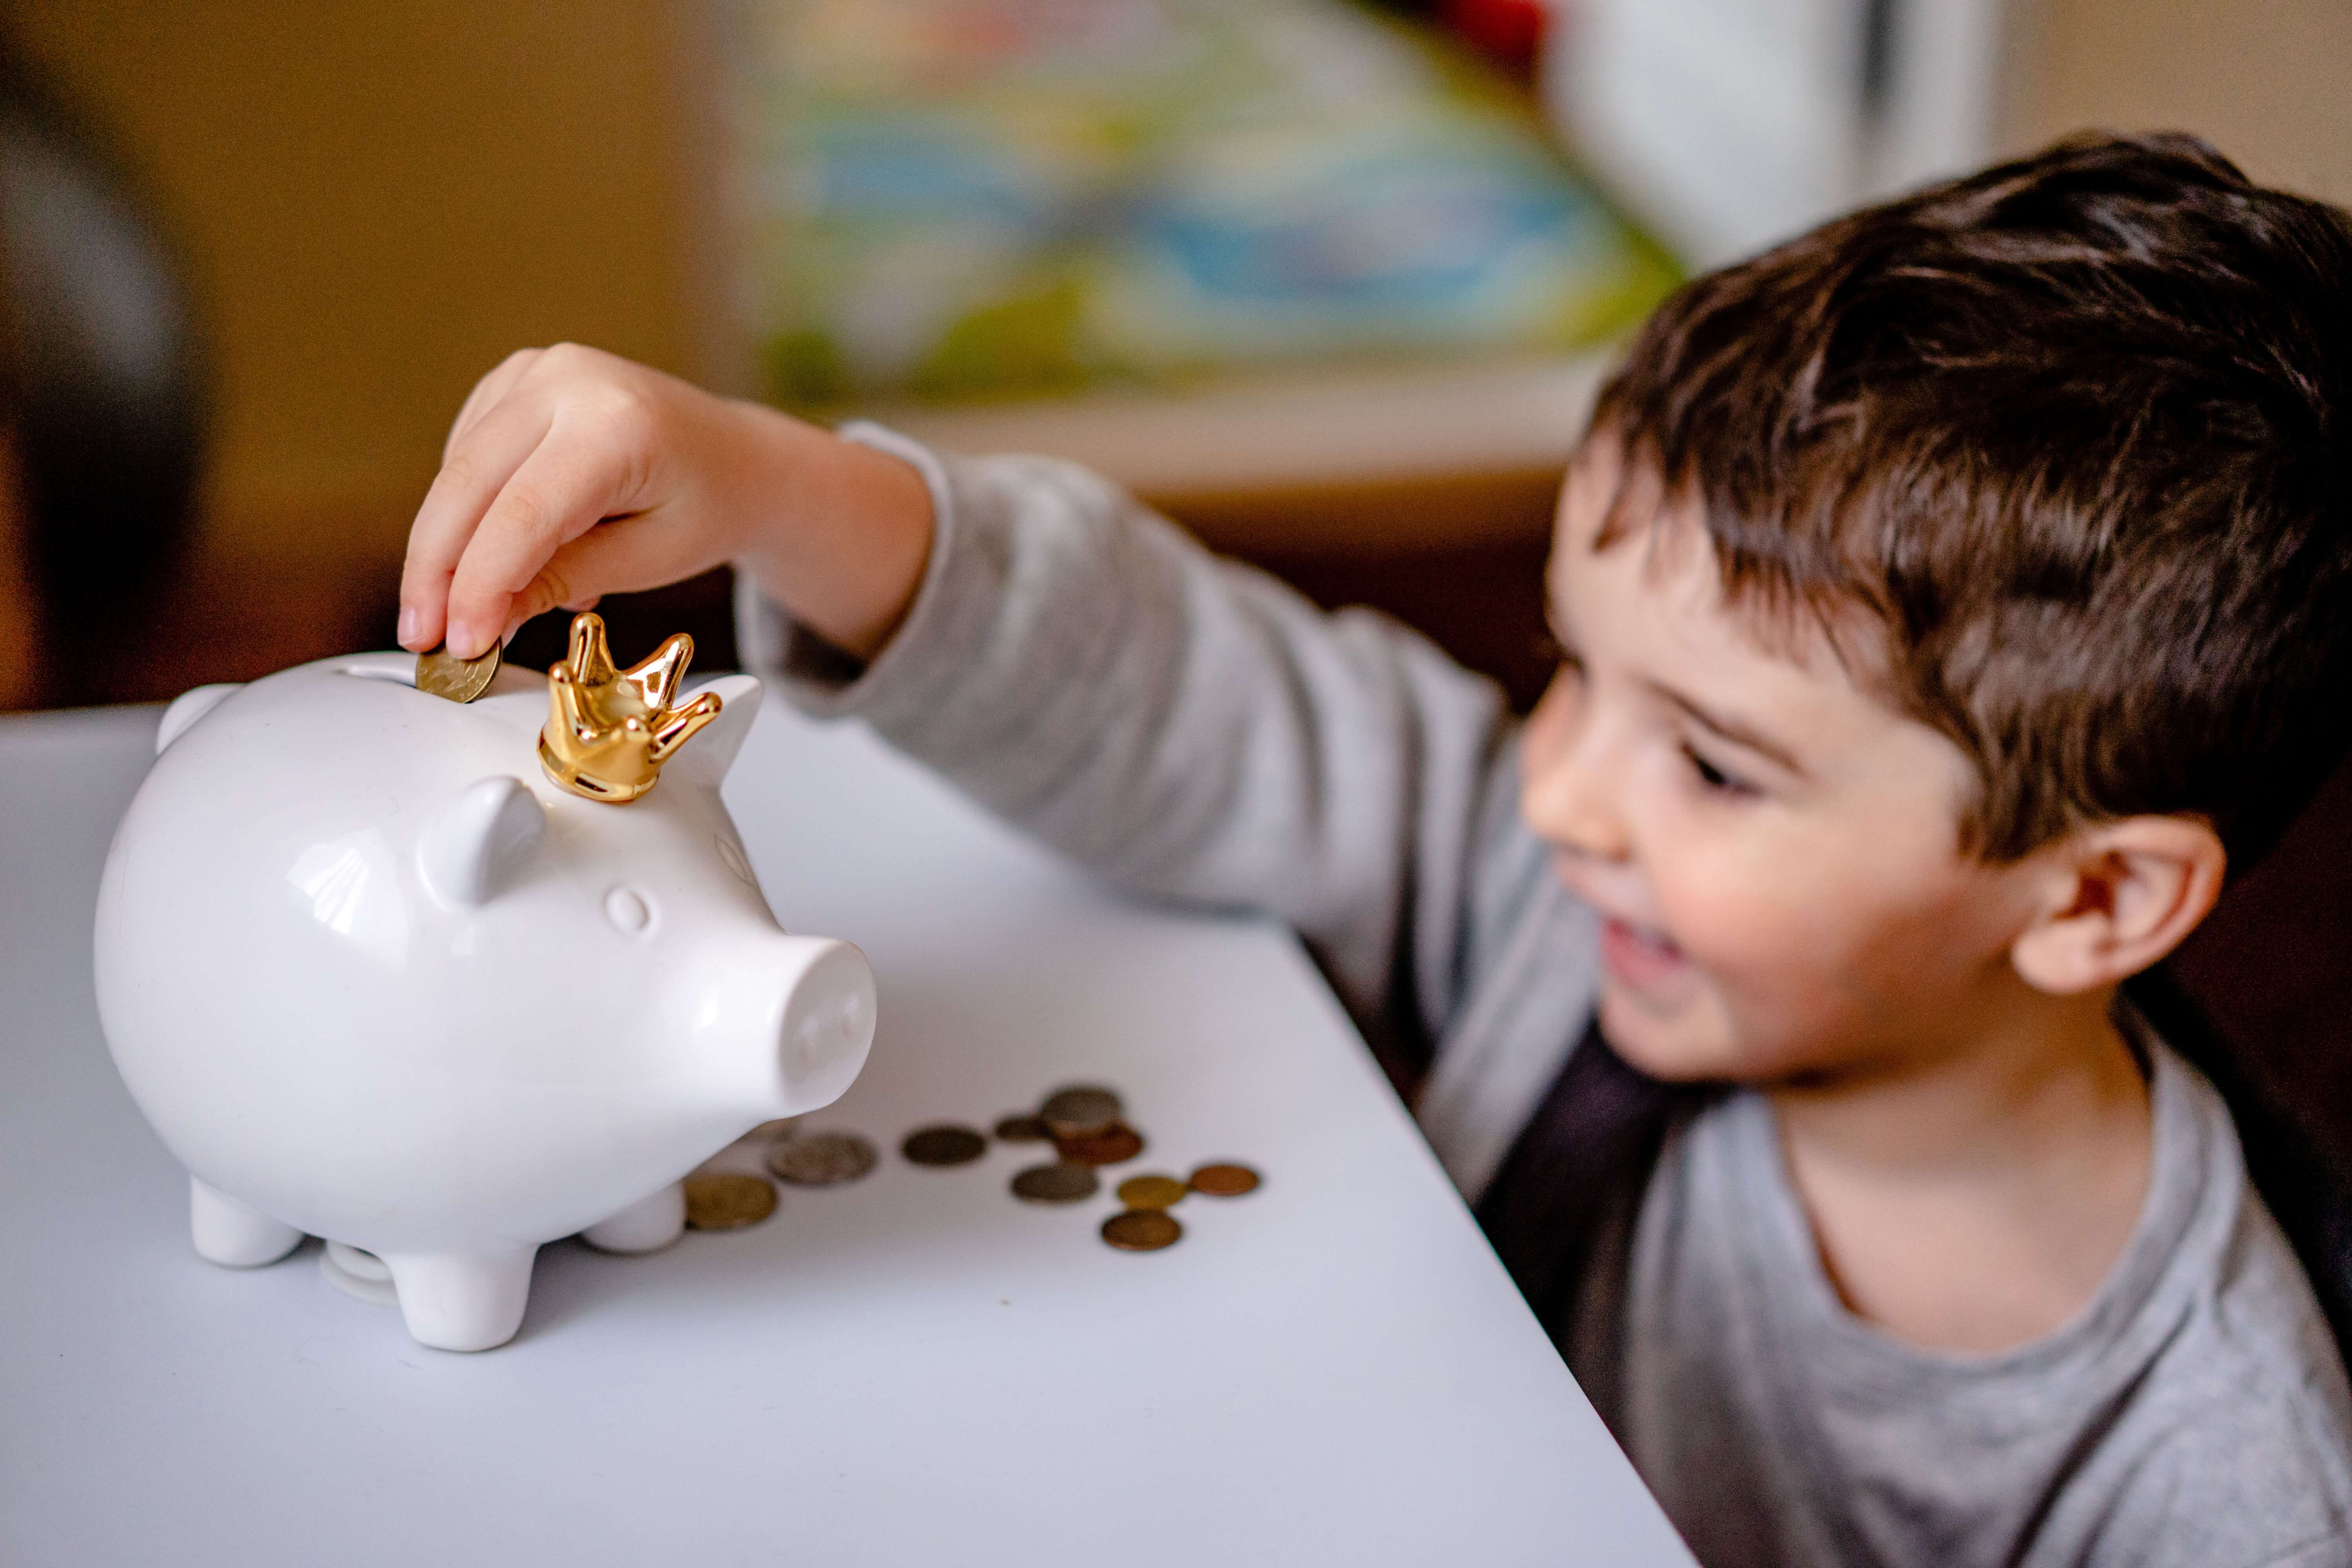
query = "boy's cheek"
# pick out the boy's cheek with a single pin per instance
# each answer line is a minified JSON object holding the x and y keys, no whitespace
{"x":1781,"y":961}
{"x":1734,"y":911}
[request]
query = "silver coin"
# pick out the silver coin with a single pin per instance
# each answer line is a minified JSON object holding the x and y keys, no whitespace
{"x":1056,"y":1183}
{"x":821,"y":1159}
{"x":1080,"y":1108}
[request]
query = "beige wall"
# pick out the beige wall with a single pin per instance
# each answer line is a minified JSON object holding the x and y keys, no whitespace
{"x":379,"y":198}
{"x":2269,"y":81}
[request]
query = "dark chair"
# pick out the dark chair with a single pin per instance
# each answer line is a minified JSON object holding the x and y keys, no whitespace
{"x":106,"y":387}
{"x":2260,"y":999}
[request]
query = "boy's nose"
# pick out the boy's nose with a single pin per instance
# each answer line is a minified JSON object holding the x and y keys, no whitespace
{"x":1563,"y":786}
{"x":1563,"y":804}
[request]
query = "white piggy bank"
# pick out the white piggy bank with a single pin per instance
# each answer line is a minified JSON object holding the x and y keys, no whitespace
{"x":374,"y":978}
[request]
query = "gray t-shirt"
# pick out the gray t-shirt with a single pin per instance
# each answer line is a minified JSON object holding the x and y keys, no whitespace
{"x":1192,"y":729}
{"x":2193,"y":1413}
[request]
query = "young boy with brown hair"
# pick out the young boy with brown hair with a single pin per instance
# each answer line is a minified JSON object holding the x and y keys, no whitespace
{"x":1949,"y":599}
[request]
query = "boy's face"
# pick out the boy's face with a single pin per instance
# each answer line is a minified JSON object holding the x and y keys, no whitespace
{"x":1775,"y":852}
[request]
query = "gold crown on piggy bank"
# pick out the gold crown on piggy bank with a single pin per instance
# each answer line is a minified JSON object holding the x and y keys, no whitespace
{"x":609,"y":730}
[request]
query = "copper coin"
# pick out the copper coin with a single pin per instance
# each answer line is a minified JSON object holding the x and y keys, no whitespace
{"x":1080,"y":1108}
{"x":458,"y":680}
{"x":821,"y":1159}
{"x":1056,"y":1183}
{"x":1114,"y":1145}
{"x":1151,"y":1192}
{"x":946,"y":1144}
{"x":1024,"y":1129}
{"x":1224,"y":1180}
{"x":728,"y":1200}
{"x":1141,"y":1230}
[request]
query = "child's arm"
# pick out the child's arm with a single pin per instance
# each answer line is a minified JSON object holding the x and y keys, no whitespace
{"x":1194,"y":729}
{"x":570,"y":474}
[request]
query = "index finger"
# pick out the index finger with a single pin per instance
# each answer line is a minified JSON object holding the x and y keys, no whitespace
{"x":481,"y":461}
{"x":563,"y":489}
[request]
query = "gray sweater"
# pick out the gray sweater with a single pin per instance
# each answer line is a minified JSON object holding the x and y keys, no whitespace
{"x":1193,"y":729}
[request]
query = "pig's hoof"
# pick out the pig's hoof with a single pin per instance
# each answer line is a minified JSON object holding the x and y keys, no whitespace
{"x":646,"y":1225}
{"x":468,"y":1301}
{"x":227,"y":1232}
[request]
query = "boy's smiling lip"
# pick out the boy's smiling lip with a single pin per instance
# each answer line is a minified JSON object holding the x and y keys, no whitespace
{"x":1639,"y":956}
{"x":1642,"y":959}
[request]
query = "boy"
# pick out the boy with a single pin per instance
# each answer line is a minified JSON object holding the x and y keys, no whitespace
{"x":1947,"y":598}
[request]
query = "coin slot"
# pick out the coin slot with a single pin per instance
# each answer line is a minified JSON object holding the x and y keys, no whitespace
{"x":389,"y":674}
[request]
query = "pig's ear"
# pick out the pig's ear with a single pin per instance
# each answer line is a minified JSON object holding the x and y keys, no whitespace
{"x":712,"y":752}
{"x":480,"y":841}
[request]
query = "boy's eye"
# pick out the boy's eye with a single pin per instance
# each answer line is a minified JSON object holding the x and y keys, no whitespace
{"x":1715,"y":778}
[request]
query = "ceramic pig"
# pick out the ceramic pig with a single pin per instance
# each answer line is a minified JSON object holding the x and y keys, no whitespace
{"x":375,"y":977}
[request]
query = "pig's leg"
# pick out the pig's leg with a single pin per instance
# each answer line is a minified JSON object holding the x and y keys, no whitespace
{"x":646,"y":1225}
{"x":228,"y":1232}
{"x":462,"y":1301}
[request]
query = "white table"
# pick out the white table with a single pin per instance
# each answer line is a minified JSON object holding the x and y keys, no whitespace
{"x":916,"y":1369}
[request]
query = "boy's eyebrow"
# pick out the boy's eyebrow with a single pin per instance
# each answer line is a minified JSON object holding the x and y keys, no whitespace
{"x":1734,"y":730}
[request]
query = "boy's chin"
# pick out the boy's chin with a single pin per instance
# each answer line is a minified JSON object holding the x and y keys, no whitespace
{"x":1689,"y":1042}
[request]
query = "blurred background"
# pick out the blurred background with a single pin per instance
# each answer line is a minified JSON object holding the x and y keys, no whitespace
{"x":1330,"y":282}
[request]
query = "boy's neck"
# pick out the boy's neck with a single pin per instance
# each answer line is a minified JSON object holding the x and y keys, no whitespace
{"x":1974,"y":1197}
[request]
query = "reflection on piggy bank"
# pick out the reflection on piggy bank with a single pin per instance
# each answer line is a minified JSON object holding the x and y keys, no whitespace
{"x":373,"y":977}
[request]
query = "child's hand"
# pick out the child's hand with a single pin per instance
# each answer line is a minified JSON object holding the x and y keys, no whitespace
{"x":570,"y":474}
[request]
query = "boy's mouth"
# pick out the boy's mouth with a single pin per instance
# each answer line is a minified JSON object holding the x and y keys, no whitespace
{"x":1640,"y":957}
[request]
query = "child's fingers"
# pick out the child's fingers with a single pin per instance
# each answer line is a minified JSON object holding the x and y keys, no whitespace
{"x":618,"y":555}
{"x":479,"y":468}
{"x":488,"y":394}
{"x":560,"y":492}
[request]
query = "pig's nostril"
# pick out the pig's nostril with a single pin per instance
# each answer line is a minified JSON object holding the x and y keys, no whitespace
{"x":827,"y":1031}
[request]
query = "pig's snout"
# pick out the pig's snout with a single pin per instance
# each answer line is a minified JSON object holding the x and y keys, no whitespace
{"x":788,"y":1018}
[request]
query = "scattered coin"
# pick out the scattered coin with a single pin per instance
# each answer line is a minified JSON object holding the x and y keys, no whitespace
{"x":1141,"y":1230}
{"x":458,"y":680}
{"x":768,"y":1132}
{"x":728,"y":1200}
{"x":1056,"y":1183}
{"x":946,"y":1144}
{"x":1113,"y":1145}
{"x":1224,"y":1180}
{"x":1151,"y":1192}
{"x":821,"y":1159}
{"x":1024,"y":1129}
{"x":1080,"y":1108}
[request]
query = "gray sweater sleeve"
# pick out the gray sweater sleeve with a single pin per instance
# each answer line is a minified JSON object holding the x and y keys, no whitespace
{"x":1185,"y":726}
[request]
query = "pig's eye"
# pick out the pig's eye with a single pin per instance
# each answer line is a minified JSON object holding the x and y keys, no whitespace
{"x":631,"y":912}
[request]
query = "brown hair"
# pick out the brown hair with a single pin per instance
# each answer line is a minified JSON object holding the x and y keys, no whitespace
{"x":2073,"y":431}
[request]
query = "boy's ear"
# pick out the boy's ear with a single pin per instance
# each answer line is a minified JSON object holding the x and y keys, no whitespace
{"x":2119,"y":896}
